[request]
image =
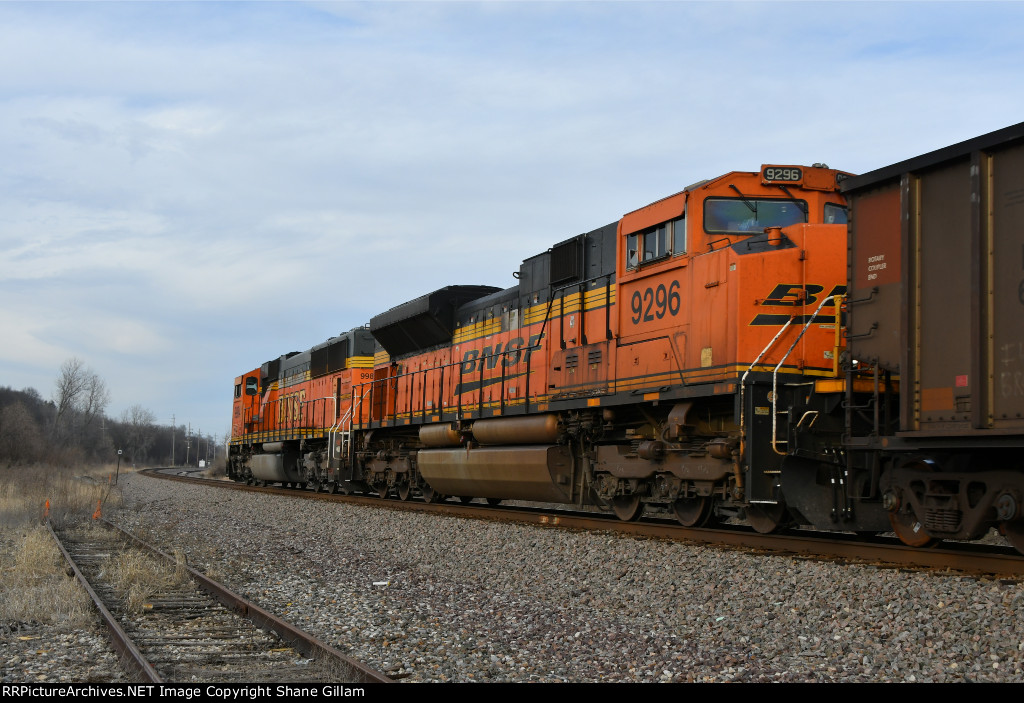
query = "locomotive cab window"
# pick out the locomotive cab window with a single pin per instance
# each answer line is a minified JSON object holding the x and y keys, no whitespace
{"x":835,"y":214}
{"x":679,"y":235}
{"x":656,"y":243}
{"x":251,"y":386}
{"x":238,"y":390}
{"x":751,"y":215}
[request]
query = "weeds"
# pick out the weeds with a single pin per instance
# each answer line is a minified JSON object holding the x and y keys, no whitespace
{"x":35,"y":587}
{"x":138,"y":576}
{"x":72,"y":495}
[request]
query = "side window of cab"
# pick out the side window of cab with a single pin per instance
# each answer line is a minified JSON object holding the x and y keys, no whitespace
{"x":656,"y":243}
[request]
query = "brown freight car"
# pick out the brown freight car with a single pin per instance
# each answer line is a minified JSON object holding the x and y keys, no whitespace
{"x":936,"y":321}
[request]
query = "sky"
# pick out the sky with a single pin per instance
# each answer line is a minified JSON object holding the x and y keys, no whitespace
{"x":189,"y":189}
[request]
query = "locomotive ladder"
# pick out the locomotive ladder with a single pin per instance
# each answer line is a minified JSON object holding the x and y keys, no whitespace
{"x":775,"y":379}
{"x":343,"y":429}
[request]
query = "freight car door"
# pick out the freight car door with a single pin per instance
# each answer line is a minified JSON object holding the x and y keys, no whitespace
{"x":938,"y":216}
{"x":1005,"y":294}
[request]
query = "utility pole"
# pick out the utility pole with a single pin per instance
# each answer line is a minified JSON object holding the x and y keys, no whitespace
{"x":174,"y":431}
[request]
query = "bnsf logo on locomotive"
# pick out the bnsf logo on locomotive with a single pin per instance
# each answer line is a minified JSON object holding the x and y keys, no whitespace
{"x":796,"y":295}
{"x":477,"y":359}
{"x":290,"y":407}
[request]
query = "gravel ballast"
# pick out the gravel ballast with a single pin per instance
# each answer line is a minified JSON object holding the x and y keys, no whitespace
{"x":430,"y":598}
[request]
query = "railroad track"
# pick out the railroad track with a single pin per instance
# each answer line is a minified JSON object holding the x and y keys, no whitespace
{"x":962,"y":557}
{"x":189,"y":628}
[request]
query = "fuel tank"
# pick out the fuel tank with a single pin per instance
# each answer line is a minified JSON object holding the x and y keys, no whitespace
{"x":274,"y":467}
{"x":538,"y":473}
{"x":444,"y":435}
{"x":538,"y":429}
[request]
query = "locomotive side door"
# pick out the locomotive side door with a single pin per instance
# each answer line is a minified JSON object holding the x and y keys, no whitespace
{"x":651,"y":298}
{"x":581,"y":323}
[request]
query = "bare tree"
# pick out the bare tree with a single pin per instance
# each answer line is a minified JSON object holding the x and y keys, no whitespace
{"x":94,"y":400}
{"x":20,"y":440}
{"x":138,"y":432}
{"x":80,"y":396}
{"x":72,"y":380}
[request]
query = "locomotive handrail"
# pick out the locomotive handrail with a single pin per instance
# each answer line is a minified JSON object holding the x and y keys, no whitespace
{"x":737,"y":469}
{"x":583,"y":304}
{"x":323,"y":411}
{"x":775,"y":375}
{"x":410,"y":377}
{"x":336,"y":427}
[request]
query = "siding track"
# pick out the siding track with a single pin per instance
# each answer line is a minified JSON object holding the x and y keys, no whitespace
{"x":190,"y":628}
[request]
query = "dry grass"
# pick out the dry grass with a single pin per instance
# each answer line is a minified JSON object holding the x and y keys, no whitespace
{"x":336,"y":671}
{"x":138,"y":576}
{"x":73,"y":494}
{"x":34,"y":587}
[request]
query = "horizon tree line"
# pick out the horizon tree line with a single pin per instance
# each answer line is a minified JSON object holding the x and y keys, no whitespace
{"x":71,"y":427}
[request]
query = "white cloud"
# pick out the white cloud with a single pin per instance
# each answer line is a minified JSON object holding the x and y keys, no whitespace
{"x":189,"y":189}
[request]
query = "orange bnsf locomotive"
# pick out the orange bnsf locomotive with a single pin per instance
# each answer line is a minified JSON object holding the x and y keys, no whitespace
{"x":700,"y":357}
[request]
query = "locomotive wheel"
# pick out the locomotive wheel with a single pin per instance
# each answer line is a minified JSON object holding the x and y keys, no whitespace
{"x":693,"y":512}
{"x":316,"y":486}
{"x":908,"y":529}
{"x":627,"y":508}
{"x":766,"y":518}
{"x":405,"y":491}
{"x":333,"y":488}
{"x":1014,"y":534}
{"x":430,"y":495}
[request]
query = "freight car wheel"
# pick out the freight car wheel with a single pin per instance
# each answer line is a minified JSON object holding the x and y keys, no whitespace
{"x":767,"y":517}
{"x":382,"y":492}
{"x":494,"y":501}
{"x":405,"y":492}
{"x":430,"y":495}
{"x":1014,"y":533}
{"x":627,"y":508}
{"x":465,"y":499}
{"x":693,"y":512}
{"x":908,"y":529}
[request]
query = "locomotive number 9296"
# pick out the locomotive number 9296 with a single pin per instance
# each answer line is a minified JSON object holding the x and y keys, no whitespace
{"x":783,"y":174}
{"x":655,"y":303}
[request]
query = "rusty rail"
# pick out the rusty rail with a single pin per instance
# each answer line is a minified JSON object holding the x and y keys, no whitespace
{"x":299,"y":639}
{"x":294,"y":637}
{"x":130,"y":654}
{"x":960,"y":557}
